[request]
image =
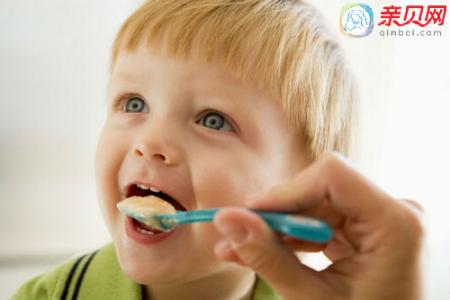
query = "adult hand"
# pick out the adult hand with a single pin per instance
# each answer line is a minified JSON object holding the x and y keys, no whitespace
{"x":375,"y":250}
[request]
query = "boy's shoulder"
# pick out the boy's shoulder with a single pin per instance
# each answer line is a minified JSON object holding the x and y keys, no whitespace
{"x":95,"y":275}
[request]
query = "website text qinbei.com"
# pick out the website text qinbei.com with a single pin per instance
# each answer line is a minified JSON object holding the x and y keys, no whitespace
{"x":409,"y":33}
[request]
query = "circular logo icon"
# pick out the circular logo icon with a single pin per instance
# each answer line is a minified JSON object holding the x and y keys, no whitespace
{"x":356,"y":20}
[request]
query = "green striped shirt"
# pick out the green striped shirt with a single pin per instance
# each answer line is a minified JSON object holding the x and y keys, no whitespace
{"x":98,"y":276}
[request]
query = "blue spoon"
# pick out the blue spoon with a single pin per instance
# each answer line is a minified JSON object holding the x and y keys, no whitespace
{"x":300,"y":227}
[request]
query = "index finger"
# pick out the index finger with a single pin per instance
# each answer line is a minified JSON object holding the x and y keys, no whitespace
{"x":332,"y":178}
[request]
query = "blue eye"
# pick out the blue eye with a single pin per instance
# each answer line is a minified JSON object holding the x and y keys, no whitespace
{"x":135,"y":105}
{"x":215,"y":121}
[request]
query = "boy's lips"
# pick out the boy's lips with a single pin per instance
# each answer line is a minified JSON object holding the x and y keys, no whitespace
{"x":134,"y":231}
{"x":140,"y":188}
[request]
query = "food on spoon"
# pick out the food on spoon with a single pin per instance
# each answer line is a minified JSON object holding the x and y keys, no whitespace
{"x":145,"y":208}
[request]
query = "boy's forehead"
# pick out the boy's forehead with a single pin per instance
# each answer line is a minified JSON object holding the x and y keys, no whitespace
{"x":131,"y":65}
{"x":143,"y":64}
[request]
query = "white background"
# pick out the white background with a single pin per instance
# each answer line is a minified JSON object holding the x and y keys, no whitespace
{"x":53,"y":72}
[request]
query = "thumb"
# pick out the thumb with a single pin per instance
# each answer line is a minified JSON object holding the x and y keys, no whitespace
{"x":249,"y":241}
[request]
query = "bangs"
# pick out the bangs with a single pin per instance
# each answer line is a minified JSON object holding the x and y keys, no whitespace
{"x":249,"y":39}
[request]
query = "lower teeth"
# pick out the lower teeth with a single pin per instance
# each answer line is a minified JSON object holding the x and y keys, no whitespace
{"x":143,"y":231}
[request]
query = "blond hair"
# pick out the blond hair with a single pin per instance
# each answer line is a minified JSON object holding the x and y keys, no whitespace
{"x":281,"y":45}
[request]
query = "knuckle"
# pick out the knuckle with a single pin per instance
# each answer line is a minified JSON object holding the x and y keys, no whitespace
{"x":413,"y":219}
{"x":415,"y":204}
{"x":418,"y":229}
{"x":333,"y":162}
{"x":334,"y":171}
{"x":417,"y":223}
{"x":261,"y":261}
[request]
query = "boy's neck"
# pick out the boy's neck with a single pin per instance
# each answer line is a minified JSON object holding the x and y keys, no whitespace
{"x":238,"y":285}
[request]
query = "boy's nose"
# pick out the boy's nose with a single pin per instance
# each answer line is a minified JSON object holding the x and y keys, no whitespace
{"x":155,"y":150}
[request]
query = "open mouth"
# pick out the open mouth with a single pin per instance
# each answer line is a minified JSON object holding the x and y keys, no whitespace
{"x":143,"y":191}
{"x":137,"y":190}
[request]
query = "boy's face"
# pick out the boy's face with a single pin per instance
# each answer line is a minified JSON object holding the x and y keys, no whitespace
{"x":198,"y":135}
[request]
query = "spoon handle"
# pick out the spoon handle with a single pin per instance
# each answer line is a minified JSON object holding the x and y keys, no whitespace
{"x":300,"y":227}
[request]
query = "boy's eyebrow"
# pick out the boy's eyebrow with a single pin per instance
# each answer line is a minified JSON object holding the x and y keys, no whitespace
{"x":123,"y":79}
{"x":121,"y":75}
{"x":128,"y":78}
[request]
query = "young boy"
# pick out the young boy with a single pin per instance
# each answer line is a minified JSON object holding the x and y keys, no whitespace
{"x":209,"y":102}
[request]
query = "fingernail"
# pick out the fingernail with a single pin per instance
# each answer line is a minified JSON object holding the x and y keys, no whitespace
{"x":236,"y":234}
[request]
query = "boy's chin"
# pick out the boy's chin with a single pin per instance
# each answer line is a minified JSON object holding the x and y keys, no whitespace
{"x":163,"y":271}
{"x":136,"y":272}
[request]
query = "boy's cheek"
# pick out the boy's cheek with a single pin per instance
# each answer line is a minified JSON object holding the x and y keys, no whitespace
{"x":101,"y":154}
{"x":107,"y":164}
{"x":111,"y":150}
{"x":224,"y":185}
